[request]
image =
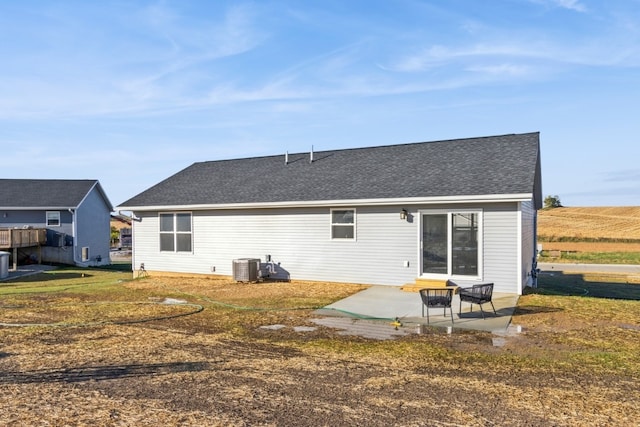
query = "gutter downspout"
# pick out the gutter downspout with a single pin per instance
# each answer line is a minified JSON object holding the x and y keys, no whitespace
{"x":74,"y":228}
{"x":534,"y":269}
{"x":133,"y":242}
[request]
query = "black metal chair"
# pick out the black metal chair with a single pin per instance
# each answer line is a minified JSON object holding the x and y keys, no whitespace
{"x":435,"y":298}
{"x":477,"y":294}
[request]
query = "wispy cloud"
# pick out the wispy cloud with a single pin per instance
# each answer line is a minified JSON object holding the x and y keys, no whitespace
{"x":502,"y":70}
{"x":153,"y":57}
{"x":575,"y":5}
{"x":524,"y":54}
{"x":628,"y":175}
{"x":439,"y":55}
{"x":187,"y":67}
{"x":571,"y":5}
{"x":159,"y":60}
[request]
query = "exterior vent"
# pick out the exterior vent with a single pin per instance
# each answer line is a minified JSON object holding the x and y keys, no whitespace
{"x":246,"y":269}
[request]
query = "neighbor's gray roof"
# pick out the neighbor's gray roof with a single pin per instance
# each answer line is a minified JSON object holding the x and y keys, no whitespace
{"x":496,"y":165}
{"x":46,"y":193}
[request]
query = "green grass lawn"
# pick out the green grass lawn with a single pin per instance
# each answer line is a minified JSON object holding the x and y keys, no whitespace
{"x":591,"y":285}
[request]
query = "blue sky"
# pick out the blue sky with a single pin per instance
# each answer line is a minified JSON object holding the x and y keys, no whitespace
{"x":130,"y":92}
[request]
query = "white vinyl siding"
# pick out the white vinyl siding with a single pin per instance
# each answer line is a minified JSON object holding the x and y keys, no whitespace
{"x":386,"y":252}
{"x":501,"y":242}
{"x":297,"y":240}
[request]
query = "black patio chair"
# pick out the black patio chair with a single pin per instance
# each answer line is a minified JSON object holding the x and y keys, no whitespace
{"x":436,"y":297}
{"x":477,"y":294}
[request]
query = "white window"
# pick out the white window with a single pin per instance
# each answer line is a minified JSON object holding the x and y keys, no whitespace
{"x":53,"y":218}
{"x":175,"y":232}
{"x":450,"y":243}
{"x":343,"y":224}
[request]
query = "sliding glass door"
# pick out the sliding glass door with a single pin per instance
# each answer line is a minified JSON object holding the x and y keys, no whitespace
{"x":450,"y":243}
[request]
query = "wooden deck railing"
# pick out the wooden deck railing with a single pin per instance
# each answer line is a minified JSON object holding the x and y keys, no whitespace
{"x":22,"y":238}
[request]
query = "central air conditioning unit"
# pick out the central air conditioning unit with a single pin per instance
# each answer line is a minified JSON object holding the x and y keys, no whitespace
{"x":246,"y":269}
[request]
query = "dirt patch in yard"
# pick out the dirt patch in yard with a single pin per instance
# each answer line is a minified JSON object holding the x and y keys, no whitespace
{"x":140,"y":376}
{"x":218,"y":367}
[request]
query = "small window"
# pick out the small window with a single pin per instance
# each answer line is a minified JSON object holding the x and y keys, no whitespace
{"x":343,"y":224}
{"x":85,"y":253}
{"x":53,"y":218}
{"x":175,"y":232}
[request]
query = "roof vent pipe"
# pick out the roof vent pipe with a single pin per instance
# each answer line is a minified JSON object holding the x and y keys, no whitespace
{"x":311,"y":155}
{"x":286,"y":158}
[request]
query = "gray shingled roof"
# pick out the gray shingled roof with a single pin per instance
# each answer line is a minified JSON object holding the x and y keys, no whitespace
{"x":507,"y":164}
{"x":46,"y":193}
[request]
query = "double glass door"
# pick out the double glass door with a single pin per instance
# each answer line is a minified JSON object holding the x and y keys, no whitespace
{"x":450,"y":243}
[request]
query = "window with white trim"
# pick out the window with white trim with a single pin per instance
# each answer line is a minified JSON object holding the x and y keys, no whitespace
{"x":53,"y":218}
{"x":175,"y":232}
{"x":343,"y":224}
{"x":450,"y":243}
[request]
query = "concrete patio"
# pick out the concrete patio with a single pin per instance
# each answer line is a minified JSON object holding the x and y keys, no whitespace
{"x":385,"y":303}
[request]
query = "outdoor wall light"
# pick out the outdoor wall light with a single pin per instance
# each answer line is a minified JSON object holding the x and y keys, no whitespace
{"x":403,"y":214}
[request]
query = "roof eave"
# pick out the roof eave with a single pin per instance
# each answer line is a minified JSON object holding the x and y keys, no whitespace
{"x":36,"y":208}
{"x":488,"y":198}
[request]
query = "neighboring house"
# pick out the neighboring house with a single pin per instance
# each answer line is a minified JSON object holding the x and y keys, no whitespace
{"x":122,"y":224}
{"x":460,"y":209}
{"x":75,"y":214}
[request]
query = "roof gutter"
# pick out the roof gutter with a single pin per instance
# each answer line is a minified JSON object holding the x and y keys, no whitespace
{"x":36,"y":208}
{"x":492,"y":198}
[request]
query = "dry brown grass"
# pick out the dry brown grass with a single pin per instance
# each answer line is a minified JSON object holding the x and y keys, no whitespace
{"x":590,"y":247}
{"x":575,"y":364}
{"x":589,"y":223}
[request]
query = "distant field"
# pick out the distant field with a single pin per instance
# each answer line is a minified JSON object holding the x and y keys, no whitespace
{"x":611,"y":232}
{"x":611,"y":224}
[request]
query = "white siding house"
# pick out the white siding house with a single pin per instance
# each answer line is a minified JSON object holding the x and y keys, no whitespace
{"x":460,"y":209}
